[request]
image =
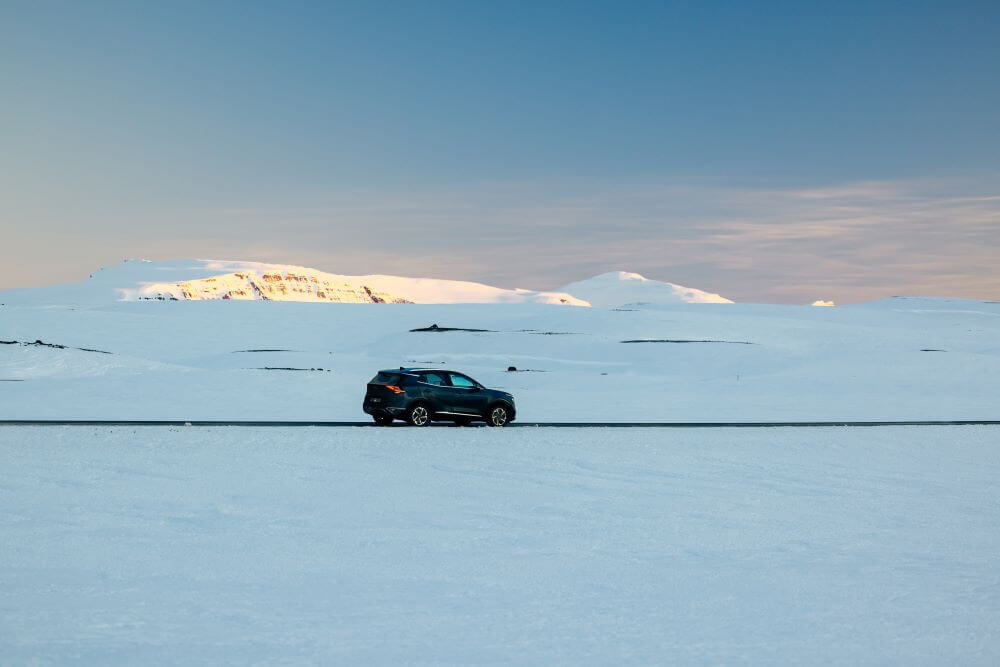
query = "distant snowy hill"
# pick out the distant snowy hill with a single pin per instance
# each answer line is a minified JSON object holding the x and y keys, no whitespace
{"x":199,"y":280}
{"x":211,"y":280}
{"x":620,"y":287}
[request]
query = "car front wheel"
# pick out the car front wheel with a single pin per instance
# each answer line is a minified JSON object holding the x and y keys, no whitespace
{"x":418,"y":415}
{"x":498,"y":415}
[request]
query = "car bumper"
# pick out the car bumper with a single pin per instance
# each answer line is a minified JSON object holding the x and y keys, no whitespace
{"x":381,"y":409}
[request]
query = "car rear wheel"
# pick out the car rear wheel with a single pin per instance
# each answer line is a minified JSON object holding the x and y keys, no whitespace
{"x":382,"y":420}
{"x":497,"y":415}
{"x":418,"y":415}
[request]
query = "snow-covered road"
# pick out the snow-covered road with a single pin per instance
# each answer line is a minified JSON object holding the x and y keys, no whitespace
{"x":450,"y":545}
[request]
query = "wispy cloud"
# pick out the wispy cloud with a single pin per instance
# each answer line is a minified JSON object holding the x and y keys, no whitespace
{"x":846,"y":242}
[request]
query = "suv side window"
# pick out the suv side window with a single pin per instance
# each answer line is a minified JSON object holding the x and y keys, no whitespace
{"x":434,"y":378}
{"x":461,"y":381}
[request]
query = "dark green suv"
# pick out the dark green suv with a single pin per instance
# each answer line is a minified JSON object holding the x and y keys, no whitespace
{"x":422,"y":395}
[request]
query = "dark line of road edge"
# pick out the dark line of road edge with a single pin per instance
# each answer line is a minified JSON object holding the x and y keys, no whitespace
{"x":810,"y":424}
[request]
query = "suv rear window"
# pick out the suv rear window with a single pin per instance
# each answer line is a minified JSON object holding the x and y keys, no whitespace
{"x":385,"y":378}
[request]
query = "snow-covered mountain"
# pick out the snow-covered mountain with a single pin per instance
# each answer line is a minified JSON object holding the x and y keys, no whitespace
{"x":621,"y":287}
{"x":276,"y":283}
{"x":209,"y":280}
{"x":214,"y":279}
{"x":280,"y":282}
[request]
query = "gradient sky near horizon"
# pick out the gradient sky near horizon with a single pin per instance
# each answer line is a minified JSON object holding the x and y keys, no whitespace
{"x":772,"y":152}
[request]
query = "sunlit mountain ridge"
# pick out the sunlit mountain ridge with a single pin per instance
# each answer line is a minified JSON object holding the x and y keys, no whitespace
{"x":206,"y":280}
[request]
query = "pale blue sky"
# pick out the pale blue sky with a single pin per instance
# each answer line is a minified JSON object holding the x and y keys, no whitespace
{"x":777,"y":151}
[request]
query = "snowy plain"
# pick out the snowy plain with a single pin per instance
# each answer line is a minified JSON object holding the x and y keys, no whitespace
{"x":668,"y":360}
{"x":472,"y":545}
{"x":497,"y":546}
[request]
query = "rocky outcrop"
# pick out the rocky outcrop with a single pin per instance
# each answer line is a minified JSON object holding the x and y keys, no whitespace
{"x":268,"y":286}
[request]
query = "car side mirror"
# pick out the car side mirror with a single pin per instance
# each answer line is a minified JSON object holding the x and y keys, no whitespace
{"x":477,"y":388}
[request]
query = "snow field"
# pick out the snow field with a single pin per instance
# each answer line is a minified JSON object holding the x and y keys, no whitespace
{"x":189,"y":360}
{"x":533,"y":546}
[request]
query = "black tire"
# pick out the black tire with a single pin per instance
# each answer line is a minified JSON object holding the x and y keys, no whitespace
{"x":497,"y":415}
{"x":382,"y":420}
{"x":418,"y":415}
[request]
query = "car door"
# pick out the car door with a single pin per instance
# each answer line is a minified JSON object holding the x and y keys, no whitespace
{"x":469,"y":396}
{"x":435,"y":388}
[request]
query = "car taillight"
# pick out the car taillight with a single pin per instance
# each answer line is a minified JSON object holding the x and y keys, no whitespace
{"x":394,"y":389}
